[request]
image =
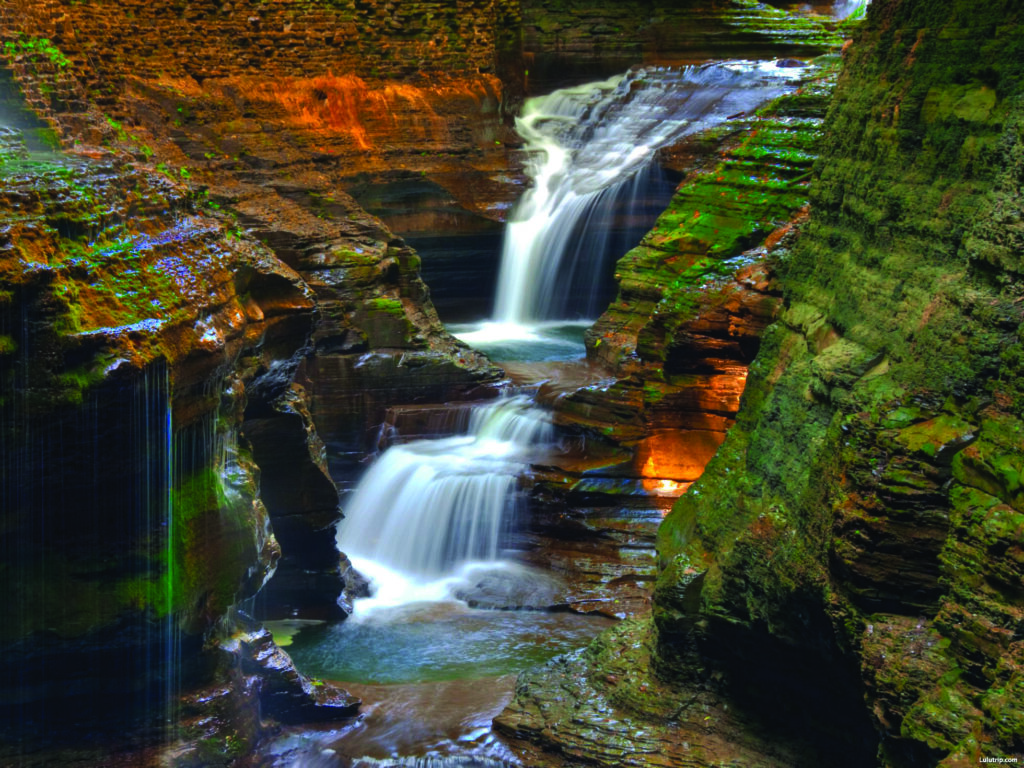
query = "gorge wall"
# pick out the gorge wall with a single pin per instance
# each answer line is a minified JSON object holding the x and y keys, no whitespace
{"x":572,"y":35}
{"x":846,"y":575}
{"x":875,"y":540}
{"x":283,"y":39}
{"x":175,"y":312}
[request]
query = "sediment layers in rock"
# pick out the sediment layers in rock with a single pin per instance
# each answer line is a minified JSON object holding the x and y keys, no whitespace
{"x":131,"y":508}
{"x":695,"y":295}
{"x":246,"y":86}
{"x":564,"y":40}
{"x":888,"y":370}
{"x":211,"y":39}
{"x":153,"y":347}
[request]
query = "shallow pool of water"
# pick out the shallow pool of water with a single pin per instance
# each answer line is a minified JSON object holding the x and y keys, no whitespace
{"x":432,"y":677}
{"x":438,"y":641}
{"x":505,"y":342}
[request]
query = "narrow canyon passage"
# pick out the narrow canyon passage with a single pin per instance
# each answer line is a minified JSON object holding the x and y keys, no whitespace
{"x":453,"y":595}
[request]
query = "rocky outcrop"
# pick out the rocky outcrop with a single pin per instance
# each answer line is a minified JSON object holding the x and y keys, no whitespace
{"x":246,"y":86}
{"x":606,"y":706}
{"x":861,"y":517}
{"x":252,"y":679}
{"x":174,"y":383}
{"x":131,"y":508}
{"x":695,"y":295}
{"x":902,"y":385}
{"x":209,"y":39}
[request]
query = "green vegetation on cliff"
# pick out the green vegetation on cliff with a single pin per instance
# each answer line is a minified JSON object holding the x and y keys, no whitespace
{"x":874,"y":471}
{"x":34,"y":47}
{"x":684,"y":265}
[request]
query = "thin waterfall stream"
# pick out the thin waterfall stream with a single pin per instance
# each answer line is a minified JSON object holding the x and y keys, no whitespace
{"x":431,"y":519}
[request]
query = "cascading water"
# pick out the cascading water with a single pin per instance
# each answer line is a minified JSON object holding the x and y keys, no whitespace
{"x":589,"y":146}
{"x":430,"y":507}
{"x":845,"y":9}
{"x":429,"y":512}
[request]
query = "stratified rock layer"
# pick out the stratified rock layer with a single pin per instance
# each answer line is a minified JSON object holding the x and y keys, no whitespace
{"x":350,"y":88}
{"x":154,"y":353}
{"x":696,"y":294}
{"x":562,"y":40}
{"x":131,"y":511}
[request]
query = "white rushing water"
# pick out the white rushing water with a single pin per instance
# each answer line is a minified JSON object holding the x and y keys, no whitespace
{"x":845,"y":9}
{"x":429,"y":509}
{"x":589,"y":148}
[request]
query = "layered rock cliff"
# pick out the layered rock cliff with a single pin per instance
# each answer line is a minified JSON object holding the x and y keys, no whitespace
{"x":842,"y":585}
{"x":191,"y":333}
{"x":561,"y":36}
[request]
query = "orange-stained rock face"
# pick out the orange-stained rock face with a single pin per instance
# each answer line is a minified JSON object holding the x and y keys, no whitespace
{"x":352,"y":87}
{"x":158,"y":342}
{"x":349,"y":112}
{"x":673,"y":457}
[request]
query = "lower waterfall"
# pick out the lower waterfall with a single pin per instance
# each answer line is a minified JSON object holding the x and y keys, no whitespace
{"x":429,"y":509}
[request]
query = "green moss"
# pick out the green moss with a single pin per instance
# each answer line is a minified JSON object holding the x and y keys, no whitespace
{"x":928,"y":437}
{"x":389,"y":306}
{"x":942,"y":720}
{"x":44,"y":137}
{"x":995,"y":463}
{"x":902,"y":416}
{"x":36,"y":47}
{"x":150,"y":593}
{"x":73,"y":384}
{"x":686,"y":262}
{"x":988,"y":520}
{"x":1001,"y":704}
{"x":795,"y":29}
{"x":122,"y":284}
{"x":888,"y":393}
{"x":194,"y":496}
{"x":211,"y":543}
{"x":385,"y":322}
{"x":177,"y":575}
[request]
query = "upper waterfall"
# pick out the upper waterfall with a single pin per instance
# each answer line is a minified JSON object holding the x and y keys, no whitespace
{"x":588,"y":148}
